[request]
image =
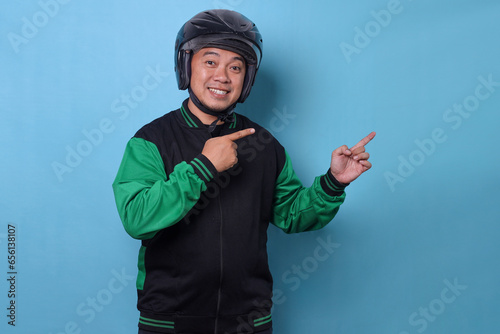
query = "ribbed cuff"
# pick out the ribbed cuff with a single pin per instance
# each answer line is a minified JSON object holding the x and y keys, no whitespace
{"x":331,"y":185}
{"x":203,"y":168}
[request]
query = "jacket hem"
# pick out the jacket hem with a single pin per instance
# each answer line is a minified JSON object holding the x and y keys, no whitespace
{"x":183,"y":324}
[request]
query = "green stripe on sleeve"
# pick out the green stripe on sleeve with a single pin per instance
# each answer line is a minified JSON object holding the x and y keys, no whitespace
{"x":330,"y":184}
{"x":199,"y":165}
{"x":204,"y":168}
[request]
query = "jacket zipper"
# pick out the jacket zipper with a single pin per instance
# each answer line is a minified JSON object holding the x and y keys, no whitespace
{"x":219,"y":294}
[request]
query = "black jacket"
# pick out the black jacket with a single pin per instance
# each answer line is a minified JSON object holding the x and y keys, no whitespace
{"x":203,"y":264}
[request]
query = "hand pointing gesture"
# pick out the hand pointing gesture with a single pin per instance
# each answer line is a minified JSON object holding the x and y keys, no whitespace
{"x":221,"y":151}
{"x":348,"y":164}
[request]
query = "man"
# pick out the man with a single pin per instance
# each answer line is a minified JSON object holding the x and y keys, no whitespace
{"x":200,"y":185}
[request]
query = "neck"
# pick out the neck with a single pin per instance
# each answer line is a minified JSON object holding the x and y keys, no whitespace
{"x":203,"y":117}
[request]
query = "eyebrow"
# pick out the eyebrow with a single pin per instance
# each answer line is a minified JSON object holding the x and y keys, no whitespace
{"x":208,"y":53}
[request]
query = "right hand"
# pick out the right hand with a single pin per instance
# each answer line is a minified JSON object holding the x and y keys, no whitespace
{"x":221,"y":151}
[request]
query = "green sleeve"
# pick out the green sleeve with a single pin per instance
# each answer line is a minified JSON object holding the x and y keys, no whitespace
{"x":149,"y":201}
{"x":297,"y":208}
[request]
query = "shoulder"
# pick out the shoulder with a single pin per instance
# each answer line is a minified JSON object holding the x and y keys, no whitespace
{"x":156,"y":127}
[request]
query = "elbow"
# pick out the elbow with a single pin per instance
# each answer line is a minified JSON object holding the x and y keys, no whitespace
{"x":134,"y":233}
{"x":132,"y":226}
{"x":135,"y":229}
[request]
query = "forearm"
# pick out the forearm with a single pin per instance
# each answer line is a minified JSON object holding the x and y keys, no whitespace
{"x":299,"y":209}
{"x":149,"y":201}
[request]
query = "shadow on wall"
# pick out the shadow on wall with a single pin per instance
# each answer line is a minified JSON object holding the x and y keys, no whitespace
{"x":295,"y":260}
{"x":262,"y":99}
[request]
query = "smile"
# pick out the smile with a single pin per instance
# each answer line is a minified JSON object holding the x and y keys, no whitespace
{"x":218,"y":91}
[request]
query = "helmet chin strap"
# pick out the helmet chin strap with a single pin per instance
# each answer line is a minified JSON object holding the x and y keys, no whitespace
{"x":225,"y":115}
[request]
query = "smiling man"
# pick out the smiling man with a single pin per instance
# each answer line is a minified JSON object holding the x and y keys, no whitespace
{"x":216,"y":78}
{"x":200,"y":185}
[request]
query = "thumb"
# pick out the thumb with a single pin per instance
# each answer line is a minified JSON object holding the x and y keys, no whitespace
{"x":240,"y":134}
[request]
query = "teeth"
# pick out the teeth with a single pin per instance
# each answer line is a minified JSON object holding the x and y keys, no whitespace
{"x":216,"y":91}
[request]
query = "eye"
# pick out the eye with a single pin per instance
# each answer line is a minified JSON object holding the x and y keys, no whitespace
{"x":210,"y":62}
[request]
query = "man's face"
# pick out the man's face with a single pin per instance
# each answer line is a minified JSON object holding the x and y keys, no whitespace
{"x":217,"y":77}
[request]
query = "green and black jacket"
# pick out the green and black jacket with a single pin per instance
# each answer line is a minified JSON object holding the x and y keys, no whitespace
{"x":203,"y":263}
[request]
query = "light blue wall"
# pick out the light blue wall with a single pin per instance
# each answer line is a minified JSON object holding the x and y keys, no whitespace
{"x":413,"y":250}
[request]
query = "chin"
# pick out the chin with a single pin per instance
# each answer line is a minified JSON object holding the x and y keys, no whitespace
{"x":218,"y":106}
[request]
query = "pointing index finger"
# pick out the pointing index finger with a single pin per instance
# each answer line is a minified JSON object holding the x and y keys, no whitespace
{"x":364,"y":141}
{"x":240,"y":134}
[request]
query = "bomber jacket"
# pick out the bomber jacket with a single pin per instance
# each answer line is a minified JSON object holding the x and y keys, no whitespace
{"x":202,"y":264}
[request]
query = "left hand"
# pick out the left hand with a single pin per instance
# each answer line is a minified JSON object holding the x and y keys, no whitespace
{"x":348,"y":164}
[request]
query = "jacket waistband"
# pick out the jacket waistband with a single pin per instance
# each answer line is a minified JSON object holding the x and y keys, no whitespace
{"x":253,"y":322}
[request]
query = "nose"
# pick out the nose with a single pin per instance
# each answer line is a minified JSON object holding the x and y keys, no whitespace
{"x":221,"y":74}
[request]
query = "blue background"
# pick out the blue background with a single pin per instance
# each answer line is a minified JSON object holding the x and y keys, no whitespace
{"x":423,"y":219}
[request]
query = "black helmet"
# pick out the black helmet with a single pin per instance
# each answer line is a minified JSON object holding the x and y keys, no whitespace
{"x":222,"y":29}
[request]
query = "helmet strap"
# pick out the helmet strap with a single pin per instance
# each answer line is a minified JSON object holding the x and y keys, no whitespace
{"x":225,"y":115}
